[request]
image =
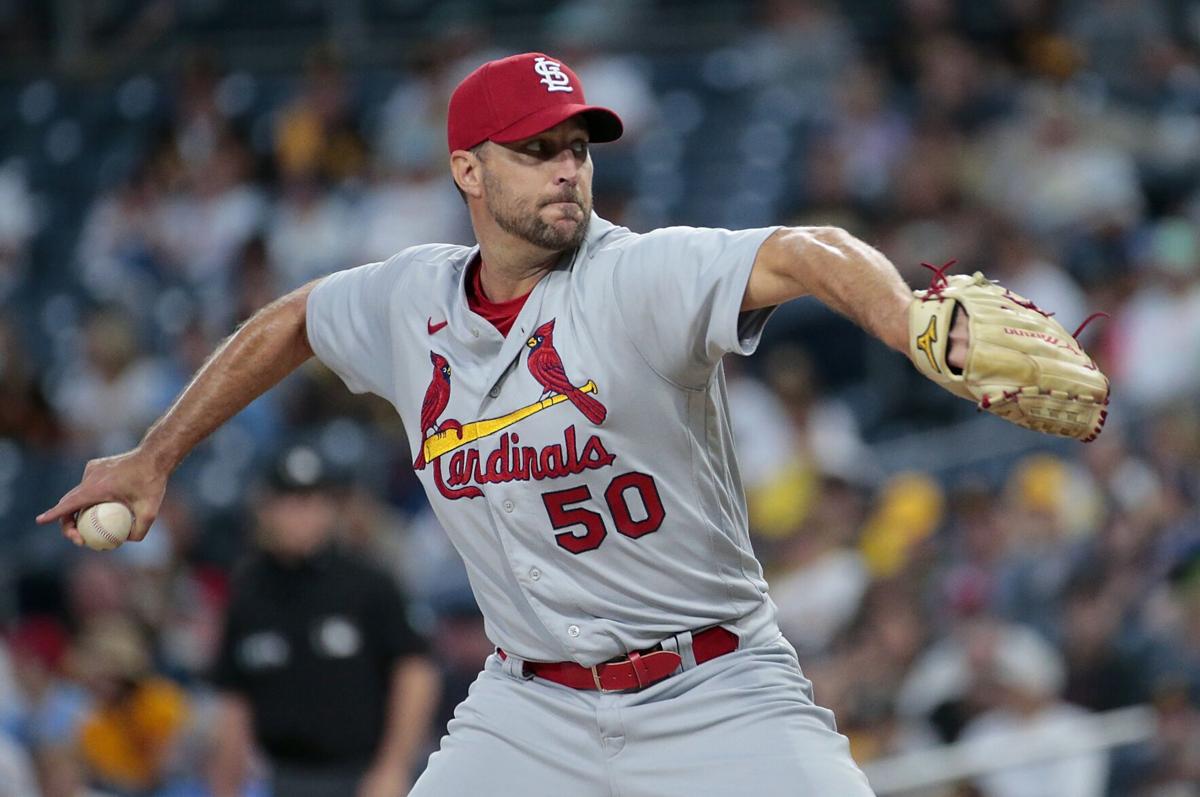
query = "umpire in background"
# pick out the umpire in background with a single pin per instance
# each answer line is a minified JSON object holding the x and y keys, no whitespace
{"x":318,"y":664}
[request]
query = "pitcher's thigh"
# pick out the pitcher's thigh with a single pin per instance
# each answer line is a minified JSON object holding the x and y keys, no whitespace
{"x":516,"y":738}
{"x":751,"y":729}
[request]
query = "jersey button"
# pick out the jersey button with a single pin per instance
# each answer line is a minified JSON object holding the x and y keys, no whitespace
{"x":534,"y":574}
{"x":572,"y":630}
{"x":474,"y":332}
{"x":508,"y":506}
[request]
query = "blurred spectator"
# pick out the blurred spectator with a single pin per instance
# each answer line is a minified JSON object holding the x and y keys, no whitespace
{"x":953,"y":679}
{"x":120,"y":251}
{"x":1027,"y":677}
{"x":761,"y":429}
{"x":1052,"y":168}
{"x":16,"y":770}
{"x":788,"y":437}
{"x":407,"y":209}
{"x":410,"y":134}
{"x":317,"y":135}
{"x":929,"y":221}
{"x":260,"y":422}
{"x":867,"y":133}
{"x":184,"y":596}
{"x":461,"y":645}
{"x":253,"y":282}
{"x":1017,"y":260}
{"x":1045,"y":545}
{"x":975,"y":542}
{"x":130,"y":739}
{"x":61,"y":774}
{"x":826,"y":429}
{"x":1175,"y":625}
{"x":957,"y":84}
{"x":50,"y":708}
{"x":96,"y":589}
{"x":434,"y":572}
{"x":374,"y":531}
{"x":821,"y":577}
{"x":311,"y":233}
{"x":804,"y":45}
{"x":25,"y":414}
{"x":211,"y":215}
{"x":197,"y":120}
{"x":111,"y":396}
{"x":183,"y":213}
{"x":318,"y":665}
{"x":410,"y":199}
{"x":908,"y":511}
{"x":1165,"y":308}
{"x":1115,"y":36}
{"x":10,"y":690}
{"x":17,"y":225}
{"x":586,"y":36}
{"x":862,"y":677}
{"x":1103,"y":672}
{"x":1169,"y":766}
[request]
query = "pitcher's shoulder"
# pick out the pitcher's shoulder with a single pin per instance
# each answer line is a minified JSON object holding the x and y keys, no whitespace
{"x":428,"y":264}
{"x":436,"y":254}
{"x":624,"y":243}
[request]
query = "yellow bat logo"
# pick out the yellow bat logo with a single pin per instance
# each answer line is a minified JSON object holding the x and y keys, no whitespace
{"x":925,"y":343}
{"x":447,"y":440}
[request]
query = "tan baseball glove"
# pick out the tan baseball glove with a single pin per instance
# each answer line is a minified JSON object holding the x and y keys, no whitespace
{"x":1021,"y":364}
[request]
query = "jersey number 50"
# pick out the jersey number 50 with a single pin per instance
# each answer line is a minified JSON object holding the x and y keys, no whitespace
{"x":594,"y":530}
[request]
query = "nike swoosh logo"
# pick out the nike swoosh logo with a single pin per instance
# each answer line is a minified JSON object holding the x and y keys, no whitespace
{"x":435,"y":327}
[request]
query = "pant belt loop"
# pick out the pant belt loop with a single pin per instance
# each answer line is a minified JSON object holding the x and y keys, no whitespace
{"x":514,"y":666}
{"x":681,"y":643}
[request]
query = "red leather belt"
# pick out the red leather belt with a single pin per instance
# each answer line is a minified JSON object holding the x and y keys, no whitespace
{"x":638,"y":670}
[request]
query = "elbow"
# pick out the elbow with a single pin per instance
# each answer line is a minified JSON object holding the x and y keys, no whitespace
{"x":830,"y":240}
{"x":814,"y":251}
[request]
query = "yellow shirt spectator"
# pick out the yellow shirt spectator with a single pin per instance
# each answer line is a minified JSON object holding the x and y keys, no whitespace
{"x":125,"y":742}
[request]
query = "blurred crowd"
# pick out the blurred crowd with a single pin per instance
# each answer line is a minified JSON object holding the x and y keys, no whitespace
{"x":944,"y":576}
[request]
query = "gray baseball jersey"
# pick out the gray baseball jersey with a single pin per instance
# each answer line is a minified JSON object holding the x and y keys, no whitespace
{"x":582,"y":465}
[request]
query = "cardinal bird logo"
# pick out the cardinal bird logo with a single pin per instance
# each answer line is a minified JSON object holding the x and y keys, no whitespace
{"x":437,"y":396}
{"x":547,"y":369}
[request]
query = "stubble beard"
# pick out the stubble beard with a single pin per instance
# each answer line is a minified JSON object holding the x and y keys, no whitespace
{"x":522,"y":217}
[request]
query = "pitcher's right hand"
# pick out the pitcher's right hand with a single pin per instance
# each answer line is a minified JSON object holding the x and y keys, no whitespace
{"x":133,"y":478}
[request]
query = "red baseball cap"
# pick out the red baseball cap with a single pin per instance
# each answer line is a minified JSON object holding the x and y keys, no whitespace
{"x":520,"y":96}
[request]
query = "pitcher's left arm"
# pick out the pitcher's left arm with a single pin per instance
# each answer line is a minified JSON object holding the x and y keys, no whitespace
{"x":968,"y":334}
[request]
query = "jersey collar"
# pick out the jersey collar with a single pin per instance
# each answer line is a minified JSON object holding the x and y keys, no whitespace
{"x":514,"y":344}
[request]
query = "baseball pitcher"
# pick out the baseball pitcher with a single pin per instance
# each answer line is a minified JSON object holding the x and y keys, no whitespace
{"x":562,"y":389}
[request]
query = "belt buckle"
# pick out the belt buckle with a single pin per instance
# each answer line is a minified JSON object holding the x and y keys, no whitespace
{"x":596,"y":680}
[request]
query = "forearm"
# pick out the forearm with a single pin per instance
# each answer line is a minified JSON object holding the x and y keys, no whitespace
{"x":414,"y":694}
{"x":268,"y":347}
{"x":843,"y":272}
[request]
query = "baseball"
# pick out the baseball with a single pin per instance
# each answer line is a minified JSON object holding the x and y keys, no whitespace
{"x":105,"y":526}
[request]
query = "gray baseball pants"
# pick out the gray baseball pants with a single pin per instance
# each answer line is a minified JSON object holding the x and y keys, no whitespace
{"x":743,"y":723}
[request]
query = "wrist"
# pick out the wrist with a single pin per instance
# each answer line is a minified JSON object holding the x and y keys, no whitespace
{"x":159,"y":457}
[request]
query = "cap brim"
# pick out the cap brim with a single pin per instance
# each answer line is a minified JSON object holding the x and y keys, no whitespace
{"x":603,"y":125}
